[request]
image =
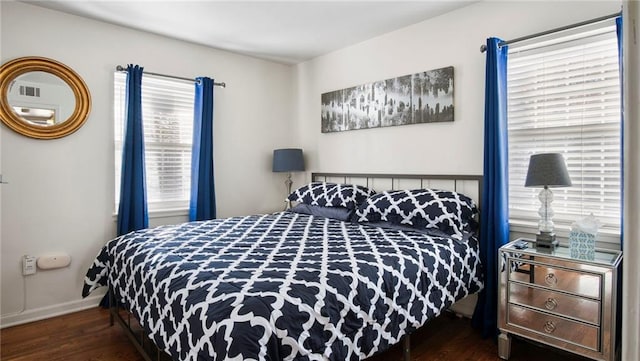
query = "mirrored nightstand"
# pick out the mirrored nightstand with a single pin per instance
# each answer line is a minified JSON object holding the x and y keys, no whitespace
{"x":552,"y":298}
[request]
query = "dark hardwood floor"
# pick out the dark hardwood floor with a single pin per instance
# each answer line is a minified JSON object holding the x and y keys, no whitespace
{"x":86,"y":335}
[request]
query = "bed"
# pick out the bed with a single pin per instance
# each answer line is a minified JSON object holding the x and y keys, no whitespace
{"x":301,"y":284}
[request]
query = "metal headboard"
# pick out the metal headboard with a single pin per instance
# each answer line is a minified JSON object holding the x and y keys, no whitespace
{"x":470,"y":185}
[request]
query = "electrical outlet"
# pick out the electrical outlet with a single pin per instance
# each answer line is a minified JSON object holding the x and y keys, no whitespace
{"x":28,"y":265}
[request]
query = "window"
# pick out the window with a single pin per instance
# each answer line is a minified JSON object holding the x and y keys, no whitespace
{"x":167,"y":112}
{"x":564,"y":97}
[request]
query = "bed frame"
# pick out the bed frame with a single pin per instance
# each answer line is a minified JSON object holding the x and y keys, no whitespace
{"x":471,"y":185}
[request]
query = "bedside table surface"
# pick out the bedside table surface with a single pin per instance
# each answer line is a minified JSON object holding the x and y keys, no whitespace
{"x":602,"y":256}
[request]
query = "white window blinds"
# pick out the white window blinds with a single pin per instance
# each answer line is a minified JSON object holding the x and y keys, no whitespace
{"x":564,"y":97}
{"x":167,"y":112}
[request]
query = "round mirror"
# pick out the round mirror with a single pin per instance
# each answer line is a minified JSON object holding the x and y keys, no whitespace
{"x":42,"y":98}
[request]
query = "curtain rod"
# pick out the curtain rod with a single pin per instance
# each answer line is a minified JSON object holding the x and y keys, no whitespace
{"x":483,"y":47}
{"x":121,"y":68}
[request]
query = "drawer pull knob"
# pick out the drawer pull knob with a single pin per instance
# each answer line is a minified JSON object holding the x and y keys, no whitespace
{"x":549,"y":327}
{"x":550,"y":304}
{"x":551,"y":279}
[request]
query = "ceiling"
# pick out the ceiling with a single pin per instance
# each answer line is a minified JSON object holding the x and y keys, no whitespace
{"x":283,"y":31}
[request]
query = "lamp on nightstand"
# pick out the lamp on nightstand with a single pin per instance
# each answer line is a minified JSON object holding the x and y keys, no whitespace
{"x":547,"y":170}
{"x":288,"y":160}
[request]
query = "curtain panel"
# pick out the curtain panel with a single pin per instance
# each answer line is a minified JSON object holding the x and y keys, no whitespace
{"x":494,"y":221}
{"x":202,"y":204}
{"x":132,"y":210}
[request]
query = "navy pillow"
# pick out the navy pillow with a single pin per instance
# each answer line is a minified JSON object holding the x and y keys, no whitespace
{"x":339,"y":213}
{"x":331,"y":194}
{"x":450,"y":212}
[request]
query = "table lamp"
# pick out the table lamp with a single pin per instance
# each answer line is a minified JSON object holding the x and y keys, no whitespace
{"x":288,"y":160}
{"x":547,"y":170}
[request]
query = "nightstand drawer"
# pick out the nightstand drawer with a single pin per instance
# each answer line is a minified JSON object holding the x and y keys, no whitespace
{"x":576,"y":282}
{"x":554,"y":327}
{"x":561,"y":304}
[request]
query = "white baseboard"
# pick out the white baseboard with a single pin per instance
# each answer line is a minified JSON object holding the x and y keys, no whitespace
{"x":465,"y":306}
{"x":49,"y":311}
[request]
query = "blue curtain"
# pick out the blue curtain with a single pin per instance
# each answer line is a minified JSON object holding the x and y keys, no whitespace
{"x":202,"y":205}
{"x":494,"y":221}
{"x":132,"y":211}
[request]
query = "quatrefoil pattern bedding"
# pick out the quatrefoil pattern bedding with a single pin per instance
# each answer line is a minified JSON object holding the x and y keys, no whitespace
{"x":450,"y":212}
{"x":284,"y":286}
{"x":331,"y":194}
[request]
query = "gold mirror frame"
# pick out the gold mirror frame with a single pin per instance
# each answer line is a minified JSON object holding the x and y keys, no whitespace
{"x":14,"y":68}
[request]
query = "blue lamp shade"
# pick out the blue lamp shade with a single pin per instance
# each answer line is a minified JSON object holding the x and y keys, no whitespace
{"x":288,"y":160}
{"x":547,"y":170}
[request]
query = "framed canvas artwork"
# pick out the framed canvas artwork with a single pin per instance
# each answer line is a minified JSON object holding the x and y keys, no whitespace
{"x":424,"y":97}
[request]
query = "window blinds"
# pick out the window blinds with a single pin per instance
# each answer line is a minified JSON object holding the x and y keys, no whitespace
{"x":167,"y":112}
{"x":564,"y":96}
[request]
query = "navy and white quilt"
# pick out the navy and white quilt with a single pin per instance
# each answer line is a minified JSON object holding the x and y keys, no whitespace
{"x":283,"y":286}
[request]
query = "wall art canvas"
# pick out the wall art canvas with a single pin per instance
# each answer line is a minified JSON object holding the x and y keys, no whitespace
{"x":424,"y":97}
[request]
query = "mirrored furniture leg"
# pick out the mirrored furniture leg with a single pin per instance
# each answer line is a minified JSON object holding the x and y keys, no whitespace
{"x":504,"y":346}
{"x":558,"y":300}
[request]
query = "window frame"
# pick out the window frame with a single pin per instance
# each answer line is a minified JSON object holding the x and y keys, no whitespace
{"x":182,"y":103}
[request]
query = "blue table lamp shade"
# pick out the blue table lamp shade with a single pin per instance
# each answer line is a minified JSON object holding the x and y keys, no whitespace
{"x":547,"y":170}
{"x":288,"y":160}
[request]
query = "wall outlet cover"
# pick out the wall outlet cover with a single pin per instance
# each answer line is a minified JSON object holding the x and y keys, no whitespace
{"x":28,"y":265}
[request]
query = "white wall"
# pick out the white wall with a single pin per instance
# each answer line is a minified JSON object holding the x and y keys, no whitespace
{"x":631,"y":249}
{"x":1,"y":185}
{"x":452,"y":39}
{"x":60,"y":196}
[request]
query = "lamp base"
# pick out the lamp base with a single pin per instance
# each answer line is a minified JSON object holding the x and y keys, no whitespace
{"x":287,"y":183}
{"x":546,"y":241}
